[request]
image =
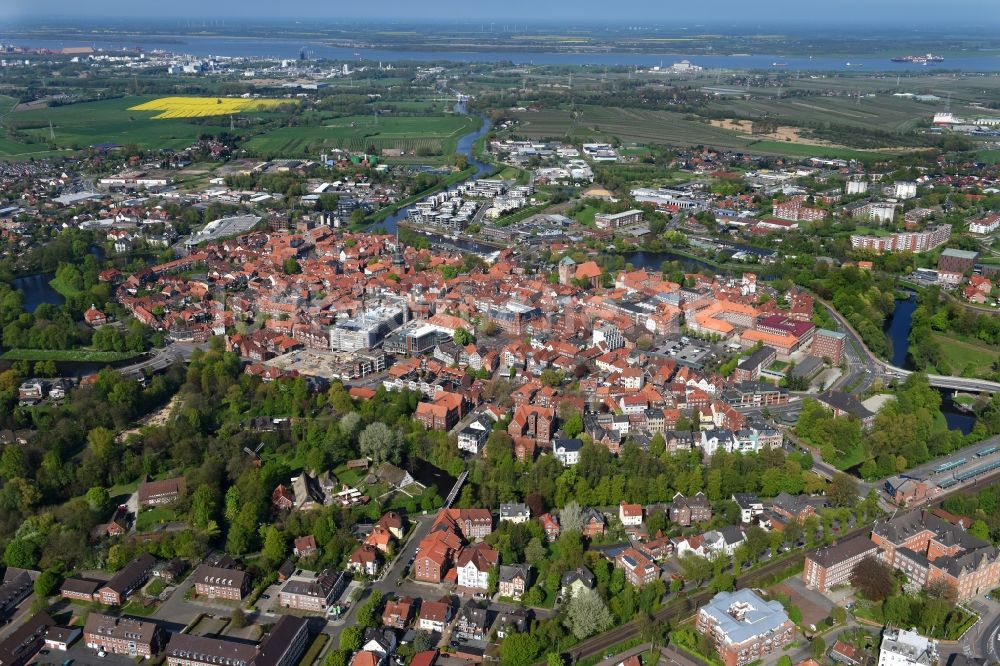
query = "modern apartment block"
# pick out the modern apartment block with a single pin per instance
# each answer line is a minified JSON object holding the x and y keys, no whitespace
{"x":915,"y":241}
{"x":743,"y":627}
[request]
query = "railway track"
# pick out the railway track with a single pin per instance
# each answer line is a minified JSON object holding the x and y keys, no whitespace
{"x":683,"y":607}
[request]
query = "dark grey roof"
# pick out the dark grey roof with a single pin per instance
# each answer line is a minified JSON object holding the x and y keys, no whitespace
{"x":758,"y":358}
{"x":273,"y":648}
{"x":582,"y":574}
{"x":844,"y":550}
{"x":745,"y":500}
{"x":845,"y":402}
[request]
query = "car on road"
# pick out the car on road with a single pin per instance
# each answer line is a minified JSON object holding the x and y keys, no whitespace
{"x":265,"y":596}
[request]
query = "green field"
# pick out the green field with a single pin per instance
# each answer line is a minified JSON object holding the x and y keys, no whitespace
{"x":960,"y":354}
{"x":593,"y":123}
{"x":989,"y":156}
{"x":79,"y":126}
{"x":436,"y":135}
{"x":82,"y":355}
{"x":884,"y":112}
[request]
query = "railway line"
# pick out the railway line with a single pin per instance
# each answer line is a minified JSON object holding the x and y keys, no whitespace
{"x":683,"y":607}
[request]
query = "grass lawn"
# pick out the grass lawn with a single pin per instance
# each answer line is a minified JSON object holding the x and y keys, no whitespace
{"x":989,"y":156}
{"x":148,"y":518}
{"x":850,"y":458}
{"x":351,"y":477}
{"x":586,"y":216}
{"x":961,"y":354}
{"x":314,"y":649}
{"x":83,"y":355}
{"x":136,"y":607}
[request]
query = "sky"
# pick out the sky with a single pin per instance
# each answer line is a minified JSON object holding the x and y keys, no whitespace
{"x":903,"y":13}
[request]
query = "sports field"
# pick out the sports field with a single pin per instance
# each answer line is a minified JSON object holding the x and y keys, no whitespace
{"x":199,"y":107}
{"x":415,"y":135}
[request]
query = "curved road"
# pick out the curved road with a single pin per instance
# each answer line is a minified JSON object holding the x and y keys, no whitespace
{"x":871,"y":366}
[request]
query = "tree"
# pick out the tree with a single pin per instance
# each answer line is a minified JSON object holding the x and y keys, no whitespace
{"x":980,"y":530}
{"x":98,"y":499}
{"x":897,"y":610}
{"x":46,"y":584}
{"x":587,"y":614}
{"x":843,"y":490}
{"x":696,"y":569}
{"x":493,"y":581}
{"x":291,"y":266}
{"x":350,"y":639}
{"x":20,"y":553}
{"x":203,"y":507}
{"x":873,"y":578}
{"x":238,"y":619}
{"x":519,"y":649}
{"x":554,"y":659}
{"x":462,"y":337}
{"x":275,"y":548}
{"x":337,"y":658}
{"x":818,"y":647}
{"x":370,"y":614}
{"x":571,"y":517}
{"x":535,"y":551}
{"x":380,"y":443}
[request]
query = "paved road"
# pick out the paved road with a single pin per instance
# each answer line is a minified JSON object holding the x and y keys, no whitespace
{"x":868,"y":367}
{"x":176,"y":612}
{"x":162,"y":358}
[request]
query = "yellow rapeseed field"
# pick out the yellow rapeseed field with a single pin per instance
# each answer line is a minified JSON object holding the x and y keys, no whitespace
{"x":195,"y":107}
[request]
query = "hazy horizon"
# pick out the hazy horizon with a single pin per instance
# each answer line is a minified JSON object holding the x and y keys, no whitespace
{"x":904,"y":14}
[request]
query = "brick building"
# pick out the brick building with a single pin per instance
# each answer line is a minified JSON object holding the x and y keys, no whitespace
{"x":929,"y":549}
{"x":219,"y":583}
{"x":639,"y":569}
{"x":131,"y":577}
{"x":957,"y":261}
{"x":687,"y":510}
{"x":119,"y":635}
{"x":832,"y":565}
{"x":828,"y":344}
{"x":312,"y":592}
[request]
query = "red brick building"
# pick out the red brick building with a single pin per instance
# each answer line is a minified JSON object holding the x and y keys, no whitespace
{"x":833,"y":565}
{"x":828,"y":344}
{"x":929,"y":549}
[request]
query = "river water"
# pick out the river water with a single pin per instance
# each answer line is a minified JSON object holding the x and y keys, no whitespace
{"x":897,"y":328}
{"x":464,"y":147}
{"x":37,"y":290}
{"x":291,"y":48}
